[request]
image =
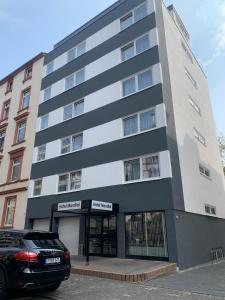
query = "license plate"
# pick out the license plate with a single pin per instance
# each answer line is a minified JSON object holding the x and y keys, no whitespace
{"x":53,"y":260}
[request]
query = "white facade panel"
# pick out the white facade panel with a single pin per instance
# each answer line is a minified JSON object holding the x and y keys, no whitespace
{"x":102,"y":64}
{"x":103,"y":35}
{"x":49,"y":185}
{"x":60,"y":61}
{"x":55,"y":117}
{"x":103,"y":97}
{"x":108,"y":174}
{"x":198,"y":189}
{"x":102,"y":134}
{"x":58,"y":88}
{"x":53,"y":149}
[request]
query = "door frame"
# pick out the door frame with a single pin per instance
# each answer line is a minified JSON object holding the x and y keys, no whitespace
{"x":101,"y":236}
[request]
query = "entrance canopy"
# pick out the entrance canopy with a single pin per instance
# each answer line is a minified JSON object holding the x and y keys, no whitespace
{"x":86,"y":208}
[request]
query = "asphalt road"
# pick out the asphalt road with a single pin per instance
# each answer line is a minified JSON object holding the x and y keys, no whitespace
{"x":202,"y":283}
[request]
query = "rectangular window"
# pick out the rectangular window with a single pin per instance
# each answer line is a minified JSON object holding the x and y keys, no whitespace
{"x":73,"y":110}
{"x":81,"y":48}
{"x":44,"y":122}
{"x":190,"y":77}
{"x":21,"y":129}
{"x":49,"y":68}
{"x":37,"y":187}
{"x":71,"y":54}
{"x":147,"y":120}
{"x":78,"y":108}
{"x":10,"y":207}
{"x":2,"y":140}
{"x":194,"y":105}
{"x":134,"y":48}
{"x":68,"y":112}
{"x":132,"y":169}
{"x":47,"y":93}
{"x":5,"y":110}
{"x":9,"y":86}
{"x":126,"y":21}
{"x":130,"y":125}
{"x":71,"y":143}
{"x":28,"y":73}
{"x":204,"y":171}
{"x":134,"y":16}
{"x":140,"y":12}
{"x":75,"y":180}
{"x":146,"y":235}
{"x":25,"y":99}
{"x":137,"y":83}
{"x":41,"y":153}
{"x":188,"y":54}
{"x":209,"y":209}
{"x":63,"y":183}
{"x":16,"y":168}
{"x":80,"y":75}
{"x":128,"y":52}
{"x":150,"y":166}
{"x":69,"y":82}
{"x":77,"y":142}
{"x":74,"y":79}
{"x":142,"y":44}
{"x":139,"y":122}
{"x":66,"y":145}
{"x":76,"y":51}
{"x":199,"y":137}
{"x":69,"y":182}
{"x":129,"y":86}
{"x":144,"y":79}
{"x":142,"y":168}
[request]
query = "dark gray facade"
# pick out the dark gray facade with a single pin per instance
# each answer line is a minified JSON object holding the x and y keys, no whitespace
{"x":157,"y":196}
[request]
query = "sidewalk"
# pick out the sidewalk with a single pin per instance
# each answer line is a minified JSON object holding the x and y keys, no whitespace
{"x":121,"y":269}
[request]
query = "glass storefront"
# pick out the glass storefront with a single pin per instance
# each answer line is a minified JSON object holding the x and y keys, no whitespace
{"x":146,"y":235}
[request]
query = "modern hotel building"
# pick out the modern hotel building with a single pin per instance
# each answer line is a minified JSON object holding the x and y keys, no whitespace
{"x":125,"y":118}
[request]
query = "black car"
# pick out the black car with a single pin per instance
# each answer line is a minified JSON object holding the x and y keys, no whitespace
{"x":31,"y":260}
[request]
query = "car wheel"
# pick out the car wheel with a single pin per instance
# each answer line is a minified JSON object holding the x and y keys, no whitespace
{"x":3,"y":289}
{"x":53,"y":286}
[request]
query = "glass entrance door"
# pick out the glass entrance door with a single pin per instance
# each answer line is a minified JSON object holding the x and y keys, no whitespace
{"x":102,"y":235}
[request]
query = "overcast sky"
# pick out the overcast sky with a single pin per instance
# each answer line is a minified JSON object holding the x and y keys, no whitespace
{"x":28,"y":27}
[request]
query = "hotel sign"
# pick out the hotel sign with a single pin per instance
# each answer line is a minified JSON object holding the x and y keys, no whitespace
{"x":101,"y":205}
{"x":69,"y":205}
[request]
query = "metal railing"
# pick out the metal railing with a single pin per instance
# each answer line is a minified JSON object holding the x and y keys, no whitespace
{"x":217,"y":254}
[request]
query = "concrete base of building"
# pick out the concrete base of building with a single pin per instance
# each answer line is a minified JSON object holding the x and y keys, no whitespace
{"x":121,"y":269}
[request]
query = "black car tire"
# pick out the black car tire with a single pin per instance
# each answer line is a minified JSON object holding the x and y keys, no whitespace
{"x":53,"y":286}
{"x":3,"y":288}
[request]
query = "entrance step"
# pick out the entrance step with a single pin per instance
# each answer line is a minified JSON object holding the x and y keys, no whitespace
{"x":121,"y":269}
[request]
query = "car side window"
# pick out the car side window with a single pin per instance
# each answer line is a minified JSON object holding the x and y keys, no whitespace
{"x":8,"y":240}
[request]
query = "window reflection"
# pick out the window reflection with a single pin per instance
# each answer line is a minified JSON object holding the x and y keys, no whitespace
{"x":146,"y":235}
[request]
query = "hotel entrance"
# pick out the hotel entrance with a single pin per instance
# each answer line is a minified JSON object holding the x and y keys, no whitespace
{"x":103,"y":235}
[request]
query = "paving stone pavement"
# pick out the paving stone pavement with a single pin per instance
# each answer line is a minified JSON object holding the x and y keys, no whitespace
{"x":205,"y":283}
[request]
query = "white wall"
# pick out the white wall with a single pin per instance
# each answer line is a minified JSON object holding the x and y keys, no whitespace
{"x":198,"y":190}
{"x":102,"y":134}
{"x":107,"y":95}
{"x":103,"y":175}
